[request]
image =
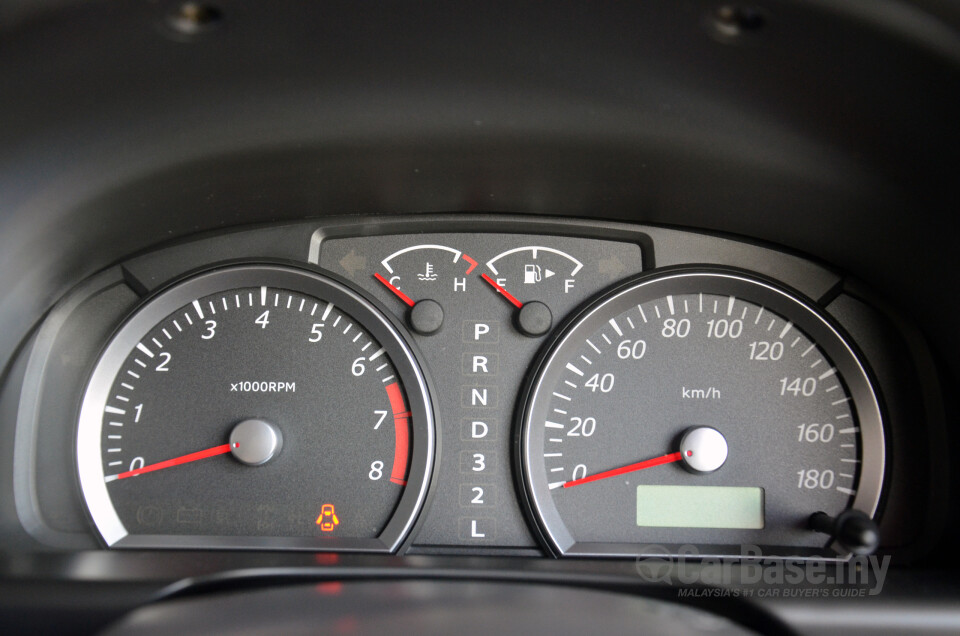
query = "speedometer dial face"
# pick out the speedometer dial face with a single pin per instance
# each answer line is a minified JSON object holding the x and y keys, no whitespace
{"x":699,"y":407}
{"x":256,"y":406}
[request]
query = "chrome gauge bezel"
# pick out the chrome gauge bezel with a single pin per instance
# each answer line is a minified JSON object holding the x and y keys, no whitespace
{"x":159,"y":306}
{"x":801,"y":311}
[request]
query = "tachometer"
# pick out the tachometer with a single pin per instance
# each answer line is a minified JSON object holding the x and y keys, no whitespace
{"x":702,"y":407}
{"x":256,"y":406}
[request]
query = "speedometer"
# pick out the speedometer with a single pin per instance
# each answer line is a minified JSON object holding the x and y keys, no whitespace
{"x":699,"y":407}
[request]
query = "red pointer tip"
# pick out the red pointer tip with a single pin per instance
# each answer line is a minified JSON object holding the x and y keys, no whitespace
{"x":176,"y":461}
{"x":649,"y":463}
{"x":406,"y":299}
{"x":513,"y":301}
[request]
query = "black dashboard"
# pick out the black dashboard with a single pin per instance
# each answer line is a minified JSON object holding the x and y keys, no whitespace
{"x":478,"y":317}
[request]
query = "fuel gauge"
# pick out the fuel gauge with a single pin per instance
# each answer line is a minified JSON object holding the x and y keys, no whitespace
{"x":535,"y":272}
{"x":540,"y":271}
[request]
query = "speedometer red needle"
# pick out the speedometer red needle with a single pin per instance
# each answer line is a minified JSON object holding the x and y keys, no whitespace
{"x":649,"y":463}
{"x":513,"y":301}
{"x":183,"y":459}
{"x":396,"y":290}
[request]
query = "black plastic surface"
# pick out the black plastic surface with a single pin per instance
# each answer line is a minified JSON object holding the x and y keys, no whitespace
{"x":829,"y":130}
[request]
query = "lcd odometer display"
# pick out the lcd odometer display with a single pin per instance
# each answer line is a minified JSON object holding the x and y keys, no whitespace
{"x":699,"y":507}
{"x":702,"y":407}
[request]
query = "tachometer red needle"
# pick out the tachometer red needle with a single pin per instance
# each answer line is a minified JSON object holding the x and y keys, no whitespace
{"x":176,"y":461}
{"x":513,"y":301}
{"x":649,"y":463}
{"x":406,"y":299}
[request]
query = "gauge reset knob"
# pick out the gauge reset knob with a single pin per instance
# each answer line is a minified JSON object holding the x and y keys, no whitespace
{"x":852,"y":529}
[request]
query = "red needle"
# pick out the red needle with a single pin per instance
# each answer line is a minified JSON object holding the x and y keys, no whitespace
{"x":176,"y":461}
{"x":516,"y":303}
{"x":649,"y":463}
{"x":406,"y":299}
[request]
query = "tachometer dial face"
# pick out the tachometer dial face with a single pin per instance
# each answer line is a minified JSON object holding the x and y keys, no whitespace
{"x":256,"y":406}
{"x":698,"y":407}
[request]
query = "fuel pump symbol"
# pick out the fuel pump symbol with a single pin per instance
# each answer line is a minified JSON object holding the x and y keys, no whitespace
{"x":531,"y":274}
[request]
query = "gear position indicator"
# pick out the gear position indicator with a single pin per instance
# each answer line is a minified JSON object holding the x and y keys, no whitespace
{"x":480,"y":305}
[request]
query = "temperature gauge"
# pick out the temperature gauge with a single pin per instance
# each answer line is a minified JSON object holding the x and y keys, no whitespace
{"x":418,"y":274}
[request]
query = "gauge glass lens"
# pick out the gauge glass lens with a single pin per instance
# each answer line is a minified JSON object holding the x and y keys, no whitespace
{"x":701,"y":408}
{"x":255,"y":406}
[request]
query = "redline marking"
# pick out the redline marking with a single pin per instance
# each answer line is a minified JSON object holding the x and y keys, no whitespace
{"x":472,"y":262}
{"x":401,"y":431}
